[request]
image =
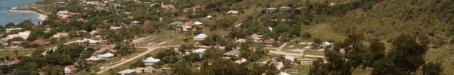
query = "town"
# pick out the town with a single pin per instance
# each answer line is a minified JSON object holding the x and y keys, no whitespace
{"x":231,"y":37}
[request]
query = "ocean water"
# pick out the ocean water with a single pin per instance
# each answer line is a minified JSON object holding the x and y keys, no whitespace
{"x":16,"y":17}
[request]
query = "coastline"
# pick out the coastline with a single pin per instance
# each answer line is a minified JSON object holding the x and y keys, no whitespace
{"x":41,"y":16}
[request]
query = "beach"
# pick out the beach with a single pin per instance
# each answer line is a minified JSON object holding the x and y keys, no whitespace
{"x":41,"y":17}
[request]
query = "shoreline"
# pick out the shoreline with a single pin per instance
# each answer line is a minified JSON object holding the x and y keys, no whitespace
{"x":41,"y":16}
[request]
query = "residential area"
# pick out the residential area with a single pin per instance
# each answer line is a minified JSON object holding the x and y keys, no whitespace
{"x":231,"y":37}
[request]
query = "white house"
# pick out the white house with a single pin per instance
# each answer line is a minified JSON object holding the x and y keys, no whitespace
{"x":60,"y":35}
{"x":200,"y":37}
{"x":64,"y":14}
{"x":256,"y":38}
{"x":93,"y":58}
{"x":284,"y":73}
{"x":150,"y":61}
{"x":23,"y":35}
{"x":127,"y":72}
{"x":105,"y":55}
{"x":233,"y":12}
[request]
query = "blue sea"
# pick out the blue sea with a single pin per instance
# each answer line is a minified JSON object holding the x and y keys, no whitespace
{"x":16,"y":17}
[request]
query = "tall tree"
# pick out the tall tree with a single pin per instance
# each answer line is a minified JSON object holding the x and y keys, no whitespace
{"x":408,"y":53}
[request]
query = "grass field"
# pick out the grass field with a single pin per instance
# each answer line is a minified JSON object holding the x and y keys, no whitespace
{"x":444,"y":55}
{"x":12,"y":53}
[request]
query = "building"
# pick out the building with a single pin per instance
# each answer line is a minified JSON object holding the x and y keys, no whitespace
{"x":23,"y":35}
{"x":270,"y":10}
{"x":200,"y":37}
{"x":65,"y":14}
{"x":150,"y":61}
{"x":60,"y":35}
{"x":233,"y":12}
{"x":107,"y":55}
{"x":284,"y":9}
{"x":69,"y":69}
{"x":41,"y":41}
{"x":127,"y":72}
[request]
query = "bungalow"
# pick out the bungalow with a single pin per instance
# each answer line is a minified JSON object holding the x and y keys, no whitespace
{"x":167,"y":7}
{"x":105,"y":55}
{"x":93,"y":58}
{"x":69,"y":69}
{"x":270,"y":10}
{"x":9,"y":30}
{"x":41,"y":41}
{"x":16,"y":41}
{"x":234,"y":52}
{"x":65,"y":14}
{"x":240,"y":41}
{"x":12,"y":62}
{"x":256,"y":38}
{"x":135,"y":22}
{"x":60,"y":35}
{"x":176,"y":23}
{"x":23,"y":35}
{"x":199,"y":51}
{"x":233,"y":12}
{"x":127,"y":72}
{"x":115,"y":27}
{"x":200,"y":37}
{"x":284,"y":9}
{"x":269,"y":42}
{"x":150,"y":61}
{"x":283,"y":73}
{"x":240,"y":61}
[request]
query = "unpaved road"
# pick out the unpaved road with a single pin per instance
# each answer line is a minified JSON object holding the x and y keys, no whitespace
{"x":149,"y":49}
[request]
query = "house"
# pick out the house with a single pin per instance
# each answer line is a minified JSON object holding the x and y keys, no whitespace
{"x":139,"y":69}
{"x":240,"y":61}
{"x":69,"y":69}
{"x":269,"y":42}
{"x":150,"y":61}
{"x":167,"y":7}
{"x":234,"y":52}
{"x":176,"y":23}
{"x":60,"y":35}
{"x":107,"y":55}
{"x":93,"y":58}
{"x":199,"y":51}
{"x":23,"y":35}
{"x":127,"y":72}
{"x":283,"y":73}
{"x":150,"y":69}
{"x":284,"y":9}
{"x":270,"y":10}
{"x":233,"y":12}
{"x":256,"y":38}
{"x":198,"y":24}
{"x":12,"y":62}
{"x":135,"y":22}
{"x":65,"y":14}
{"x":240,"y":41}
{"x":41,"y":41}
{"x":115,"y":27}
{"x":200,"y":37}
{"x":9,"y":30}
{"x":16,"y":41}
